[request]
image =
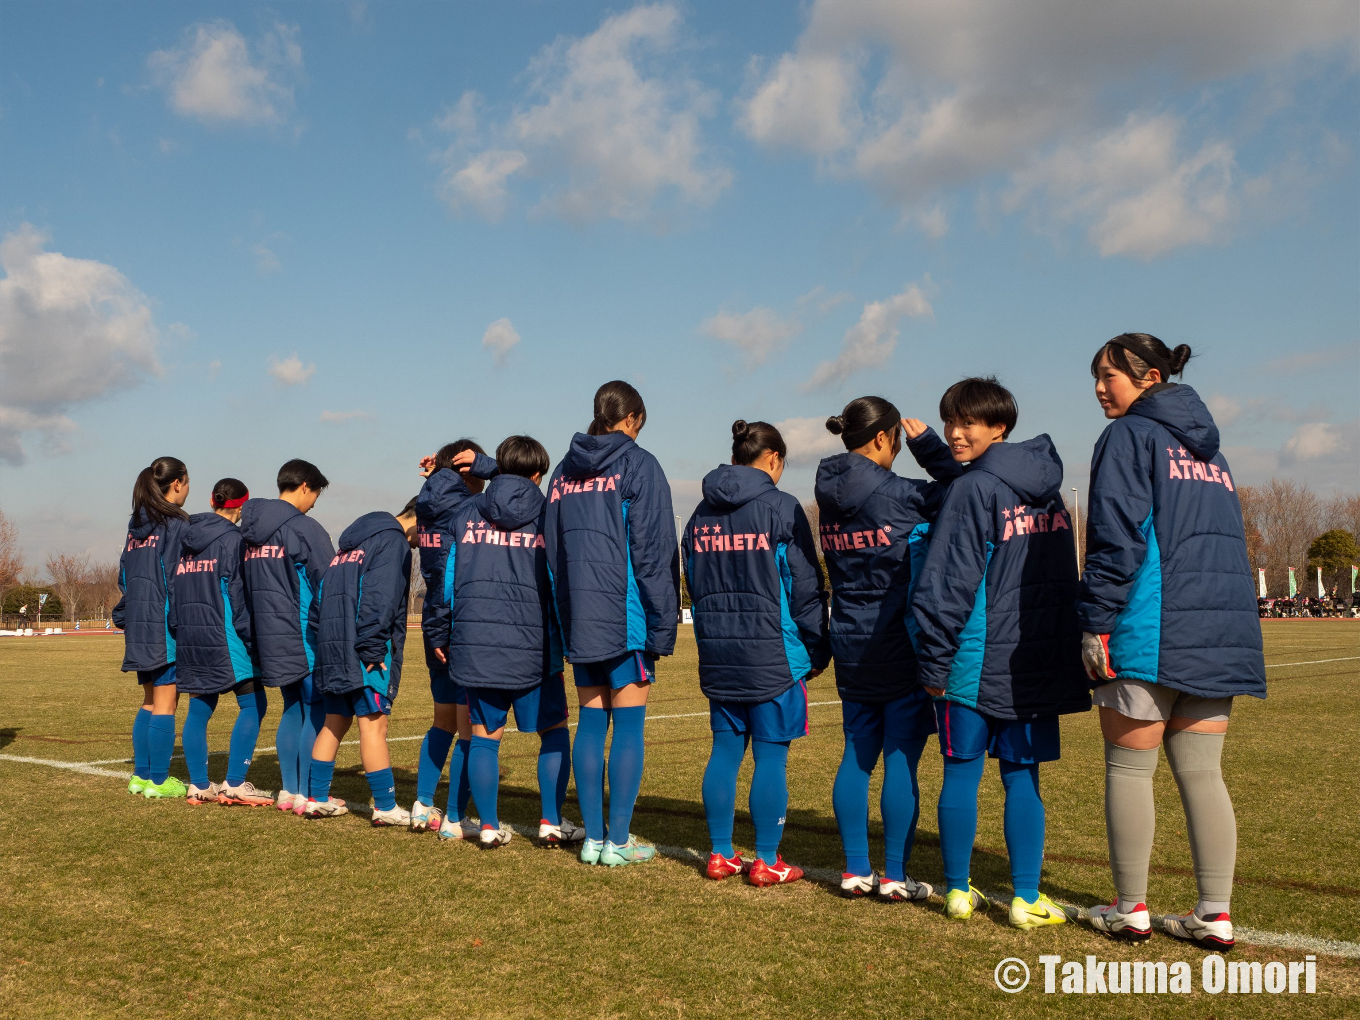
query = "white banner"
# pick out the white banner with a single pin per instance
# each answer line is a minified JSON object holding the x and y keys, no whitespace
{"x":1261,"y":582}
{"x":1321,"y":591}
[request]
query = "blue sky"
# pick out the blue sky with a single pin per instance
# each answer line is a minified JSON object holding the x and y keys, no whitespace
{"x":240,"y":233}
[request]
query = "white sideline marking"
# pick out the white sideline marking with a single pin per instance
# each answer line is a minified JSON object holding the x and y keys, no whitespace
{"x":1344,"y":658}
{"x":86,"y":768}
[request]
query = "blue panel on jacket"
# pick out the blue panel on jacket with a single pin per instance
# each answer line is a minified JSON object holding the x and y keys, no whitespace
{"x":215,"y":643}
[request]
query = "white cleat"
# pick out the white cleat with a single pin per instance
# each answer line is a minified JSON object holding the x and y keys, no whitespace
{"x":853,"y":886}
{"x":397,"y":816}
{"x":906,"y":891}
{"x":287,"y":801}
{"x":1134,"y":926}
{"x":331,"y":807}
{"x":1213,"y":932}
{"x":560,"y":835}
{"x":491,"y":838}
{"x":425,"y":817}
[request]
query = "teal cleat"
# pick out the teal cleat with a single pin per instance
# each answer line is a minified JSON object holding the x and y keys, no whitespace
{"x":632,"y":852}
{"x":591,"y":850}
{"x":172,"y":787}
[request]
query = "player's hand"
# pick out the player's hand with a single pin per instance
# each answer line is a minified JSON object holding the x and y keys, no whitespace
{"x":914,"y":427}
{"x":464,"y":461}
{"x":815,"y":674}
{"x":1095,"y":656}
{"x":372,"y":666}
{"x":935,"y":692}
{"x":426,"y":466}
{"x":441,"y":656}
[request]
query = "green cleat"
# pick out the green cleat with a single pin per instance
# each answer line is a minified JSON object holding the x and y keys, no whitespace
{"x":959,"y":904}
{"x":590,"y":851}
{"x":136,"y":785}
{"x":1041,"y":912}
{"x":632,"y":852}
{"x":172,"y":787}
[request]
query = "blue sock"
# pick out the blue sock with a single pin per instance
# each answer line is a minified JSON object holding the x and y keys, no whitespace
{"x":720,"y":788}
{"x":195,"y":738}
{"x":289,"y":737}
{"x":587,"y":760}
{"x":484,"y":774}
{"x":625,"y":770}
{"x":384,"y":788}
{"x":1024,"y":827}
{"x":900,"y":802}
{"x":957,"y":815}
{"x":850,"y":798}
{"x":320,"y":774}
{"x":459,"y":787}
{"x":554,"y":768}
{"x":160,"y":745}
{"x":313,"y":722}
{"x":434,"y":752}
{"x":769,"y":796}
{"x":141,"y":749}
{"x":245,"y":734}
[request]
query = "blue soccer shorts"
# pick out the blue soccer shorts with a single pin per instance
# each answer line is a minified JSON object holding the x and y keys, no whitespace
{"x":161,"y":677}
{"x":445,"y":689}
{"x":536,"y":708}
{"x":777,"y":720}
{"x":909,"y":717}
{"x":620,"y":671}
{"x":966,"y":733}
{"x":364,"y":701}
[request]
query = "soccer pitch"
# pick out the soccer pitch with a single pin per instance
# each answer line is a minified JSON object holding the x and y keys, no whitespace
{"x":117,"y":907}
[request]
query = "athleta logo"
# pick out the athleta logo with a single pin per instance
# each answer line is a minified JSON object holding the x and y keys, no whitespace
{"x":354,"y":556}
{"x":720,"y":541}
{"x":150,"y":542}
{"x":1027,"y":523}
{"x":565,"y":486}
{"x":430,"y":538}
{"x":265,"y":552}
{"x":836,"y":540}
{"x":494,"y":536}
{"x":189,"y":565}
{"x":1195,"y":470}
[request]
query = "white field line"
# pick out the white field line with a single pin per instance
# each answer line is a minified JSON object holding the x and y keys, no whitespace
{"x":1344,"y":658}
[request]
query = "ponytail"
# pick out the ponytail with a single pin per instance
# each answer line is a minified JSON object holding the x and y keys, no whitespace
{"x":148,"y":492}
{"x":1136,"y":354}
{"x":615,"y":401}
{"x":751,"y":439}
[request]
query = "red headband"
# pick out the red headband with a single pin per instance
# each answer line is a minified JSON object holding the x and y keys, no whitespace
{"x":230,"y":504}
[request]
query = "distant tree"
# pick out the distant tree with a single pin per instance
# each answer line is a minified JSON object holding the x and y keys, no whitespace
{"x":1334,"y":551}
{"x":1343,"y":511}
{"x":101,"y":589}
{"x":70,"y":576}
{"x":415,"y":597}
{"x":11,"y":559}
{"x":1285,"y":515}
{"x":27,"y":594}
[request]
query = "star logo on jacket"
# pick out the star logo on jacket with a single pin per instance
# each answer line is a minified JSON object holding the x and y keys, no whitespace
{"x":1006,"y":512}
{"x":1180,"y":450}
{"x":705,"y":529}
{"x":717,"y":528}
{"x":1021,"y":509}
{"x":1170,"y":452}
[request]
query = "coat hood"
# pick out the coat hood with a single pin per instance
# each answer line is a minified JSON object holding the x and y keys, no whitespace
{"x":1032,"y":468}
{"x":511,"y":502}
{"x":140,"y":525}
{"x":204,"y":530}
{"x":846,"y":481}
{"x":261,"y":518}
{"x":366,"y":527}
{"x":592,"y":455}
{"x":442,"y":492}
{"x":731,"y":486}
{"x":1179,"y":408}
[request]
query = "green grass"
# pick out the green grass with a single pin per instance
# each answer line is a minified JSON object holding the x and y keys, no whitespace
{"x":111,"y":906}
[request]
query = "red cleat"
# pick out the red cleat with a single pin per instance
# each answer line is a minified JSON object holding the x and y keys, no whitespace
{"x":778,"y":873}
{"x":720,"y":867}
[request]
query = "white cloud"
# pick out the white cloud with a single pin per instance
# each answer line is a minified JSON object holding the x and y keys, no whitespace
{"x":213,"y":75}
{"x":759,"y":332}
{"x":266,"y":261}
{"x":1315,"y":441}
{"x":870,"y":342}
{"x":822,"y":300}
{"x":921,"y":98}
{"x":500,"y":338}
{"x":71,"y":330}
{"x":808,"y":440}
{"x":604,"y":129}
{"x":341,"y":416}
{"x":291,"y":371}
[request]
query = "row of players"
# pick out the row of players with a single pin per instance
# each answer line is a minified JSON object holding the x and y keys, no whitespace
{"x":957,"y":610}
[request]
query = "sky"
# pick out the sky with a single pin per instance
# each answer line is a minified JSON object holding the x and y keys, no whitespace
{"x":238,"y":233}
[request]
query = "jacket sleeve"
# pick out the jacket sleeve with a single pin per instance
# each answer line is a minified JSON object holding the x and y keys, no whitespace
{"x":174,"y":542}
{"x":317,"y":553}
{"x":119,"y":613}
{"x":1120,"y":501}
{"x":946,"y":591}
{"x":655,"y":553}
{"x":483,"y":466}
{"x":931,"y":453}
{"x":437,"y":617}
{"x":384,"y":597}
{"x":236,"y":592}
{"x":809,"y":602}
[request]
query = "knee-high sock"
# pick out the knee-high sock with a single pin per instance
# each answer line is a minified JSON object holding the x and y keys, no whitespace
{"x":289,"y":738}
{"x":320,"y":774}
{"x":383,"y":785}
{"x":850,"y":799}
{"x":313,"y":721}
{"x":1196,"y":762}
{"x":1024,"y":827}
{"x":1130,"y":820}
{"x":141,"y":748}
{"x":769,"y":795}
{"x":587,"y":760}
{"x":434,"y":751}
{"x":195,"y":738}
{"x":900,"y":802}
{"x":245,"y":734}
{"x":459,"y":788}
{"x":160,"y":745}
{"x":957,"y":815}
{"x":626,"y":753}
{"x":554,"y":768}
{"x":720,"y":788}
{"x":484,"y":773}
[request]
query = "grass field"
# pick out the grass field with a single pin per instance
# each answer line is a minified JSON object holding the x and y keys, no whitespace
{"x":112,"y":906}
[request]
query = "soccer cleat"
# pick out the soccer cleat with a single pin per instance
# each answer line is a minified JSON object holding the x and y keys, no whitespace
{"x":720,"y":867}
{"x":136,"y":785}
{"x":331,"y":807}
{"x":959,"y":904}
{"x":425,"y":817}
{"x":491,"y":838}
{"x":286,"y":800}
{"x":559,"y":835}
{"x":908,"y":890}
{"x":212,"y":795}
{"x":449,"y":829}
{"x":1041,"y":912}
{"x":591,"y":850}
{"x":778,"y":873}
{"x":631,"y":852}
{"x":1213,"y":932}
{"x":172,"y":787}
{"x":1134,"y":926}
{"x":246,"y":795}
{"x":854,"y":886}
{"x":397,"y":816}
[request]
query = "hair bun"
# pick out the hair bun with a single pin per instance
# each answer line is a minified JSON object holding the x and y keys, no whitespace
{"x":739,"y":429}
{"x":835,"y":424}
{"x":1179,"y":357}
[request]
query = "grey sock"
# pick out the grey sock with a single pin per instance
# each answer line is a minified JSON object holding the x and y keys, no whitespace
{"x":1130,"y":820}
{"x":1195,"y":760}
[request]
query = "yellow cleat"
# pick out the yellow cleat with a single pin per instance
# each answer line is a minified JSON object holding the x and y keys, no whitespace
{"x":959,"y":904}
{"x":1037,"y":914}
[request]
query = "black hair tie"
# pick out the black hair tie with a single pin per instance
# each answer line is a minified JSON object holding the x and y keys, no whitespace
{"x":1147,"y":354}
{"x":888,"y":423}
